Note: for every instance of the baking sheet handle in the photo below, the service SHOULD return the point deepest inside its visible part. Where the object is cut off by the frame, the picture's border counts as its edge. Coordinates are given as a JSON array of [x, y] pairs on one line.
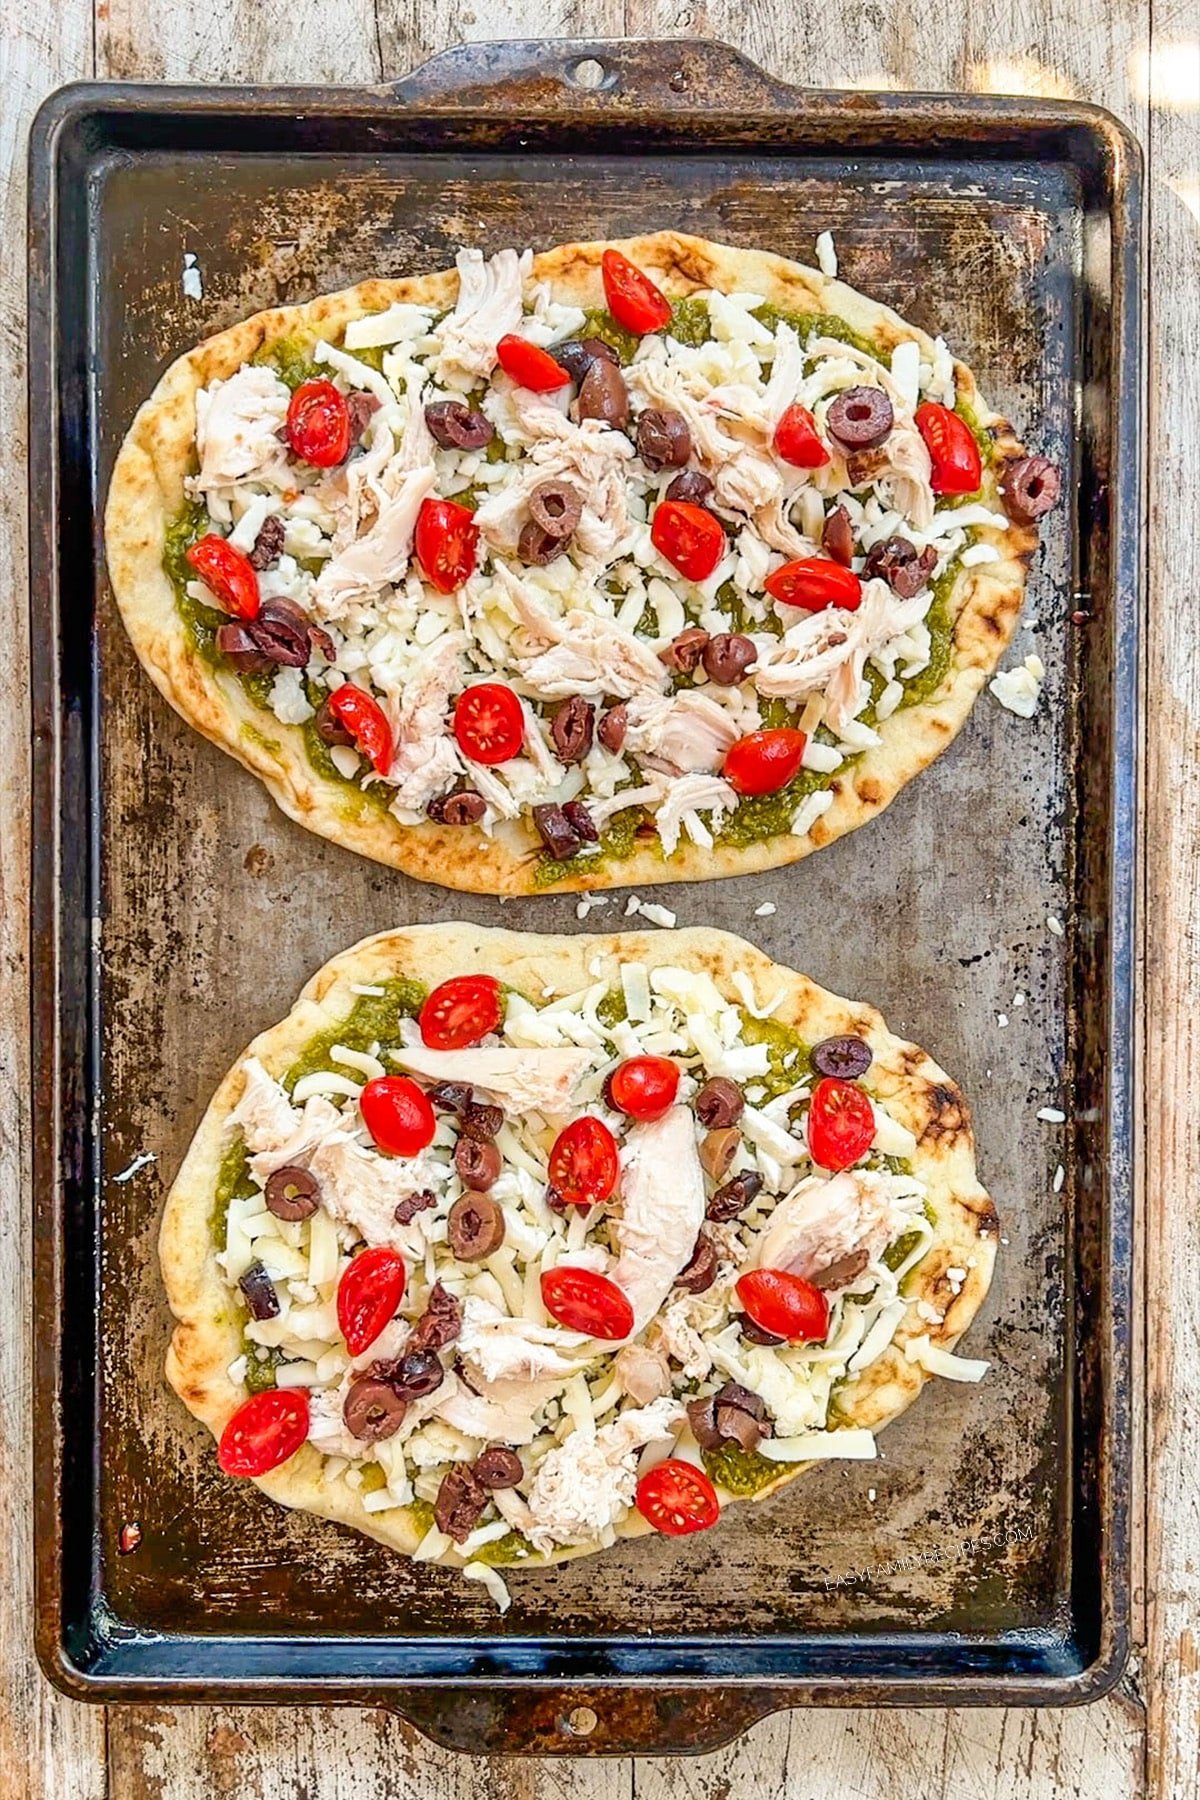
[[586, 1721]]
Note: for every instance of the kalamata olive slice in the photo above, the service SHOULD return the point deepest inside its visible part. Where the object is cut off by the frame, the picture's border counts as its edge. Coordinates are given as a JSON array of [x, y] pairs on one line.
[[556, 830], [739, 1427], [702, 1417], [577, 355], [475, 1227], [845, 1057], [1032, 485], [361, 408], [663, 438], [464, 808], [753, 1333], [727, 657], [731, 1200], [581, 821], [701, 1271], [603, 394], [460, 1501], [482, 1121], [538, 547], [407, 1208], [458, 427], [417, 1373], [329, 727], [684, 652], [451, 1096], [837, 538], [269, 543], [439, 1324], [262, 1302], [860, 417], [845, 1270], [905, 568], [555, 506], [238, 643], [571, 727], [691, 486], [372, 1409], [718, 1149], [719, 1102], [613, 727], [281, 632], [292, 1193], [498, 1468], [478, 1164]]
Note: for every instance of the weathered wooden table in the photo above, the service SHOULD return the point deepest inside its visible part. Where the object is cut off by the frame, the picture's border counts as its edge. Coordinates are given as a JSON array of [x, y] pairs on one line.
[[1143, 63]]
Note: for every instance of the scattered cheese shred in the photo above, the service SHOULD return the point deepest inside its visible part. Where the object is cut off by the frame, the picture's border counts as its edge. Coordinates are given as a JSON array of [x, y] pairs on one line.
[[492, 1580], [827, 260], [936, 1361], [822, 1446], [1020, 689], [1052, 1115]]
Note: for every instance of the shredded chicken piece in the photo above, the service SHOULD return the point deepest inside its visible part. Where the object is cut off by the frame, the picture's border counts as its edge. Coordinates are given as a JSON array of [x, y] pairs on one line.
[[361, 1189], [379, 558], [525, 1080], [822, 1221], [827, 651], [686, 798], [587, 1484], [685, 732], [590, 457], [593, 656], [236, 423], [264, 1114], [662, 1189], [746, 477], [502, 1348], [488, 308], [425, 758], [642, 1373], [505, 1414], [902, 463]]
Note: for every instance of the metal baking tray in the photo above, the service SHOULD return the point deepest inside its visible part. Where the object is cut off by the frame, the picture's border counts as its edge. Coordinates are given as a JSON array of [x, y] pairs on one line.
[[983, 1558]]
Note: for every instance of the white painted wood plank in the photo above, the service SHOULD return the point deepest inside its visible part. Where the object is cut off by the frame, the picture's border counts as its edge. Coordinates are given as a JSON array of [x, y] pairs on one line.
[[47, 1745]]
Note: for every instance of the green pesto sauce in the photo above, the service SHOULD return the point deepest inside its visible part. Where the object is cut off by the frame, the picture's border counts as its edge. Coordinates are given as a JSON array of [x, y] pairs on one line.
[[374, 1019], [813, 325], [373, 1478], [260, 1374], [291, 359], [739, 1473], [600, 324], [421, 1514], [372, 355], [690, 322], [617, 842], [770, 815], [941, 642], [612, 1010], [512, 1548], [233, 1182], [780, 1040]]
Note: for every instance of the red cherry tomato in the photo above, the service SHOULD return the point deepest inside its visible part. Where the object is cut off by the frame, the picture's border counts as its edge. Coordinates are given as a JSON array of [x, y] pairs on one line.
[[796, 439], [633, 300], [446, 540], [368, 1296], [529, 365], [765, 761], [957, 465], [227, 574], [583, 1162], [489, 723], [397, 1114], [690, 537], [815, 582], [584, 1301], [461, 1012], [366, 722], [644, 1087], [318, 424], [677, 1498], [264, 1431], [841, 1125], [785, 1305]]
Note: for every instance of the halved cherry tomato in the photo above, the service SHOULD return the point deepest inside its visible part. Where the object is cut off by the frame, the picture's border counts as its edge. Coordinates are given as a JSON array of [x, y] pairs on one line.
[[461, 1012], [583, 1162], [957, 464], [318, 424], [644, 1087], [677, 1498], [796, 439], [489, 723], [366, 722], [765, 761], [369, 1295], [633, 300], [815, 582], [227, 573], [584, 1301], [446, 540], [841, 1124], [264, 1431], [398, 1115], [785, 1305], [529, 365], [690, 537]]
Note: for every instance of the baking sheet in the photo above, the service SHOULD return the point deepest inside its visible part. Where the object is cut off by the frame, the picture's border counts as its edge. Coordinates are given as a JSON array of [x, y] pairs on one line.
[[977, 1557]]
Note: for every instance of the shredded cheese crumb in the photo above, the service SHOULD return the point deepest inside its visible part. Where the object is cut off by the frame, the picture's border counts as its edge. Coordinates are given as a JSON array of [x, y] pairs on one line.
[[1019, 689], [1052, 1116], [852, 1445], [936, 1361], [492, 1580], [1055, 925], [827, 260], [1060, 1175], [191, 281], [588, 902], [765, 910]]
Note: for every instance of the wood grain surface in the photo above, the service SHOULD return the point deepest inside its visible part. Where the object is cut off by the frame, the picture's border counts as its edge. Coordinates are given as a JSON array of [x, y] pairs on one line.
[[1144, 1738]]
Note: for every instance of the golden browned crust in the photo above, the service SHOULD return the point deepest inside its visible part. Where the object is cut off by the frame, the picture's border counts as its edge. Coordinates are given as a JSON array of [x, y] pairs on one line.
[[147, 490], [208, 1335]]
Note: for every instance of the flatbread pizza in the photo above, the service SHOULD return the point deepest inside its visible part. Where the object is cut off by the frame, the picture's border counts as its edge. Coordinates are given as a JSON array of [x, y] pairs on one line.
[[620, 563], [502, 1248]]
